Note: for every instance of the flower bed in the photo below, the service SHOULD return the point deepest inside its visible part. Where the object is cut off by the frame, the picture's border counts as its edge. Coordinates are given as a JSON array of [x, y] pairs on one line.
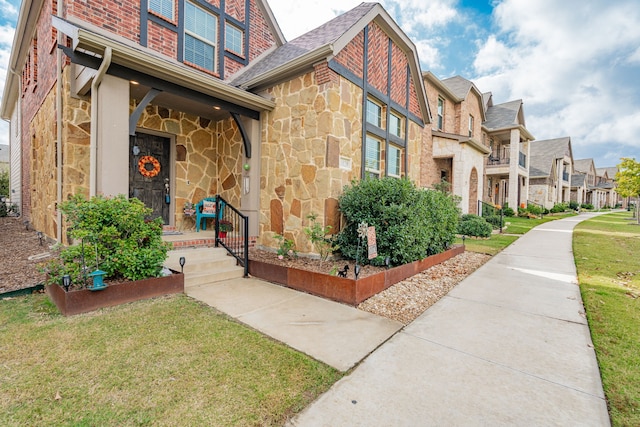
[[84, 300], [345, 290]]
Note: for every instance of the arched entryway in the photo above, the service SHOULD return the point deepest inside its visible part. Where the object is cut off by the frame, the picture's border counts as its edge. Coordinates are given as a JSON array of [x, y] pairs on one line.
[[473, 192]]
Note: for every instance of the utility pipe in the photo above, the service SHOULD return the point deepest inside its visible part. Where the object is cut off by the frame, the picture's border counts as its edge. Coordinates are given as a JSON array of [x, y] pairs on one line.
[[93, 142]]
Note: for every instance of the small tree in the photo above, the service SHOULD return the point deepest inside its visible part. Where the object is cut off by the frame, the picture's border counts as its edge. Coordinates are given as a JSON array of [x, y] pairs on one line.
[[628, 180], [317, 234]]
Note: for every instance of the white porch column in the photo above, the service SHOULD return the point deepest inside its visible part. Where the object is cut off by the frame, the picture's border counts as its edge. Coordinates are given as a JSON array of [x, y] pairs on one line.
[[514, 179], [250, 200], [113, 137]]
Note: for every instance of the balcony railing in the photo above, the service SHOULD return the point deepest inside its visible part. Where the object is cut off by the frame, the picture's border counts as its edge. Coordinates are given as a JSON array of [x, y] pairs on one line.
[[497, 161]]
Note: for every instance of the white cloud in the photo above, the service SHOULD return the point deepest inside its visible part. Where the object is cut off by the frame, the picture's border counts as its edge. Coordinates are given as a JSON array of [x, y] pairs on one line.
[[8, 10], [562, 59]]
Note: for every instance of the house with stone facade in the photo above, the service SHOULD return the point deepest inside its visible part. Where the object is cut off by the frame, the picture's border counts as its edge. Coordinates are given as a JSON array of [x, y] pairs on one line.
[[507, 167], [550, 171], [455, 147], [217, 102]]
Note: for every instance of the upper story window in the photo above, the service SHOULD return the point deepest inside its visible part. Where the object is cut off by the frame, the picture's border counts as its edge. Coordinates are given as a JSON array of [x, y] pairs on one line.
[[374, 113], [440, 113], [200, 38], [372, 157], [395, 125], [164, 8], [393, 167], [233, 39], [470, 125]]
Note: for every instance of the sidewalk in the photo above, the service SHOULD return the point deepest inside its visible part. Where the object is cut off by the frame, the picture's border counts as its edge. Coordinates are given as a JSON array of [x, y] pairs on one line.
[[510, 345]]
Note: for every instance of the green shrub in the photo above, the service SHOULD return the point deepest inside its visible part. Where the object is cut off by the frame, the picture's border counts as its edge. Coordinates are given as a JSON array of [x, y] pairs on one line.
[[535, 209], [410, 223], [559, 208], [474, 225], [508, 212], [587, 206], [286, 247], [317, 234], [113, 235], [573, 205], [494, 220]]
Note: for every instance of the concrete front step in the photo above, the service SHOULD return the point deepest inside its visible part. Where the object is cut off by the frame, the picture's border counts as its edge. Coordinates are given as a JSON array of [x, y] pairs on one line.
[[204, 265]]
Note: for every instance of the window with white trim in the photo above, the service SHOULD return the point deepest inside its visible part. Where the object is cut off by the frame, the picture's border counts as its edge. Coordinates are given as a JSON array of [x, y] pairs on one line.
[[440, 113], [164, 8], [470, 125], [374, 113], [200, 38], [395, 125], [233, 39], [372, 157], [394, 157]]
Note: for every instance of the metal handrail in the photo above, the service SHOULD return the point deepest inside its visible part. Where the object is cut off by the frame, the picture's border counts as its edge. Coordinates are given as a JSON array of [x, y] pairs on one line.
[[529, 202], [487, 209], [235, 240]]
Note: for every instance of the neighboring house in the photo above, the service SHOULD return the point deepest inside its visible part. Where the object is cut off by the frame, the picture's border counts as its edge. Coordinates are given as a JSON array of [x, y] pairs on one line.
[[593, 194], [507, 168], [605, 181], [4, 159], [213, 92], [550, 171], [454, 149]]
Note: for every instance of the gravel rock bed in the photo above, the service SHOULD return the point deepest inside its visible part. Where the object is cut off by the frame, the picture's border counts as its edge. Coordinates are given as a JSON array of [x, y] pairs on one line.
[[408, 299]]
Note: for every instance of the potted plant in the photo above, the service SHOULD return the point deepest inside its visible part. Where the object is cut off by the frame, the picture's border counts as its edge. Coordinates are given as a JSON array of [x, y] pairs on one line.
[[224, 226]]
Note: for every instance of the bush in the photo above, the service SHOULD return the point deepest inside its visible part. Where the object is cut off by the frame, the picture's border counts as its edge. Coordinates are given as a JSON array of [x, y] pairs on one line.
[[410, 223], [573, 205], [559, 208], [494, 220], [508, 212], [474, 225], [587, 206], [535, 210], [317, 235], [114, 235]]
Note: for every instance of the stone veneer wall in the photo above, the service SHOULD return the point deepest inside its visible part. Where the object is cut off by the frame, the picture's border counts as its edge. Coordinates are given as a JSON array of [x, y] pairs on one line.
[[208, 160], [303, 138], [208, 155], [42, 131]]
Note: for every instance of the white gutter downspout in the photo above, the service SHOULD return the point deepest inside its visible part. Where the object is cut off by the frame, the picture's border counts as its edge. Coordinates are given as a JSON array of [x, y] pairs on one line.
[[93, 144], [59, 149]]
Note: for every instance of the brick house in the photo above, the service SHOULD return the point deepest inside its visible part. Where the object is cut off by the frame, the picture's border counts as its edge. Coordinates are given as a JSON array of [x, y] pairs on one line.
[[455, 147], [550, 171], [214, 94]]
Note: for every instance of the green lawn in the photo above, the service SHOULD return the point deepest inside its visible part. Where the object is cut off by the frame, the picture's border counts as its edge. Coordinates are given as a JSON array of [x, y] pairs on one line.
[[606, 251], [166, 361], [514, 227]]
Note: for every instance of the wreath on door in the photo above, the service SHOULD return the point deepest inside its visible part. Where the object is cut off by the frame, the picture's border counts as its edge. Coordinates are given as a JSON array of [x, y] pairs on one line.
[[142, 166]]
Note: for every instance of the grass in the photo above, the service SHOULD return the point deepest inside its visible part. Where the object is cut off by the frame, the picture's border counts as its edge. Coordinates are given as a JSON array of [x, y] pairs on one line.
[[606, 251], [166, 361], [515, 226]]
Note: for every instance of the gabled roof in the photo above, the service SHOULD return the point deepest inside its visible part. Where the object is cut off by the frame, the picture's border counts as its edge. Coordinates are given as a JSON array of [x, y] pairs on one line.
[[458, 88], [543, 154], [326, 41], [504, 115], [578, 179], [583, 165], [611, 171]]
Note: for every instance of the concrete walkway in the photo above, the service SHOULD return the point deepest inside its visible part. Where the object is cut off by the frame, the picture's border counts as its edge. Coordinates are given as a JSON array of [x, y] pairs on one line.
[[510, 345], [336, 334]]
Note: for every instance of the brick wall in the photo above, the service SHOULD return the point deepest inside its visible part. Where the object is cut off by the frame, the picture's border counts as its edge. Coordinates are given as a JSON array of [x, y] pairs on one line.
[[377, 58], [119, 17]]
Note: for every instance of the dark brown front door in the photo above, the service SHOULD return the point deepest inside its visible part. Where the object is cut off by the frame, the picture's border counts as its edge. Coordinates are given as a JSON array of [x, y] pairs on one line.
[[149, 173]]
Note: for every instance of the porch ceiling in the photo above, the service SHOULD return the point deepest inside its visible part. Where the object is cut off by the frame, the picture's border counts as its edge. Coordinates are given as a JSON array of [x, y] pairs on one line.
[[179, 103]]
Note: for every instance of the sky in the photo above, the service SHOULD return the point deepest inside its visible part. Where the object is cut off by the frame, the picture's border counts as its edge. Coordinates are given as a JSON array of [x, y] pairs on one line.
[[574, 63]]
